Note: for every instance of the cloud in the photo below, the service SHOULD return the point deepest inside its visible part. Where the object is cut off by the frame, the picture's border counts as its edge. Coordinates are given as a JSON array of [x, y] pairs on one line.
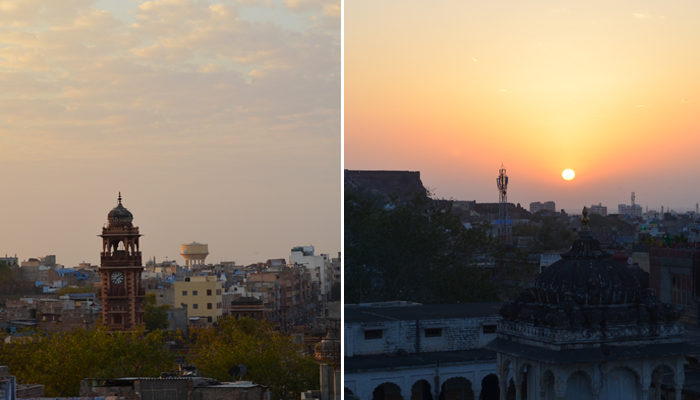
[[647, 15], [178, 68]]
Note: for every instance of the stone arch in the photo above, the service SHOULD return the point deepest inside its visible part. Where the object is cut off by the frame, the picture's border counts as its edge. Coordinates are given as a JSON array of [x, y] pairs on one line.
[[421, 390], [490, 388], [621, 383], [579, 386], [663, 374], [548, 385], [457, 388], [510, 392], [349, 395], [387, 391]]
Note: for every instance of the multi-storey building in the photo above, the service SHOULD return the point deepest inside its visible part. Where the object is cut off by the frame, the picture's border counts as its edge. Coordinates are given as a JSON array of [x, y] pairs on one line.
[[546, 206], [599, 209], [414, 351], [318, 266], [201, 296]]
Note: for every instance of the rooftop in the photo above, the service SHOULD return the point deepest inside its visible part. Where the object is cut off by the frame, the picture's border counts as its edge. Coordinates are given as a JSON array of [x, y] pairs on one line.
[[412, 311]]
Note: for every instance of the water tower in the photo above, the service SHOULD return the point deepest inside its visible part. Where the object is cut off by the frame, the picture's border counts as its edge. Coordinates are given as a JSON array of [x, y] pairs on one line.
[[194, 253]]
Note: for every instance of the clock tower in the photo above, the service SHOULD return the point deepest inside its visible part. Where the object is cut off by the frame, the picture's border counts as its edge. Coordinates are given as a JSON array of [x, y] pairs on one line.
[[120, 271]]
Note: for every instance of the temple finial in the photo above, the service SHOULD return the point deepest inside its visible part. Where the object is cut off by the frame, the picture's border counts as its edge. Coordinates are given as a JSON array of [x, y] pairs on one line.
[[584, 219], [120, 198]]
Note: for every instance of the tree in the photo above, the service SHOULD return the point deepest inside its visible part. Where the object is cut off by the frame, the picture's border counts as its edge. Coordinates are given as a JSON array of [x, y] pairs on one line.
[[60, 360], [417, 250], [270, 358], [154, 316]]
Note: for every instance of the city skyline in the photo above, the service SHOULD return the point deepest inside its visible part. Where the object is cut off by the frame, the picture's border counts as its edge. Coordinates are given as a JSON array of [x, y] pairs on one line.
[[456, 89], [219, 122]]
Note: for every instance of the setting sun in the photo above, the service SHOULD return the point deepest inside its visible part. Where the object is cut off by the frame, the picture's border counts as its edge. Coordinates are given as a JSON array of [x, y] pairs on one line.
[[568, 174]]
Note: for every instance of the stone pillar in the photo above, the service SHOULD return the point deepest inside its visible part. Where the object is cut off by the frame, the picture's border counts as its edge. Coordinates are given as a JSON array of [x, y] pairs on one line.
[[476, 388], [406, 391], [679, 377]]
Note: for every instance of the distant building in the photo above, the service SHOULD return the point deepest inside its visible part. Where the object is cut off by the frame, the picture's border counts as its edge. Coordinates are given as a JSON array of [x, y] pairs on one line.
[[674, 274], [634, 210], [201, 296], [548, 206], [319, 267], [599, 209], [10, 261], [246, 307]]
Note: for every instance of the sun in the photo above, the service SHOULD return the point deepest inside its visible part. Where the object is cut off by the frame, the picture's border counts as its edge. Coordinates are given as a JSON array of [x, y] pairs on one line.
[[568, 174]]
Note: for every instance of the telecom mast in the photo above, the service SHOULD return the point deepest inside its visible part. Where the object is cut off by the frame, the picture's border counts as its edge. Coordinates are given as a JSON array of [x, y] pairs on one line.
[[504, 222]]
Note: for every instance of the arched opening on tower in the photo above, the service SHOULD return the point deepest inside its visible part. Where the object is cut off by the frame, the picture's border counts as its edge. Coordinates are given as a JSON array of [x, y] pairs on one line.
[[663, 382], [548, 385], [421, 391], [489, 388], [578, 387], [620, 384], [387, 391], [456, 389]]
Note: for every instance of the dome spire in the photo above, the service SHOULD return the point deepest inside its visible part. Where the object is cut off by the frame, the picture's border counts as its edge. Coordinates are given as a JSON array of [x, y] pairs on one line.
[[585, 220], [120, 198]]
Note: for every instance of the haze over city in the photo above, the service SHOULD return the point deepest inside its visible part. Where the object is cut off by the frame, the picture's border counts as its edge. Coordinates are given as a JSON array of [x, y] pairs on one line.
[[455, 89], [217, 121]]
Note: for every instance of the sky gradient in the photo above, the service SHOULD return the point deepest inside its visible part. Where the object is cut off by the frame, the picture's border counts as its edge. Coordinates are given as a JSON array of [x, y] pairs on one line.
[[219, 121], [455, 88]]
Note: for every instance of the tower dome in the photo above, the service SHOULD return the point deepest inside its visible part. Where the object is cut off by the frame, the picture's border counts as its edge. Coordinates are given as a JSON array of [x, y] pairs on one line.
[[119, 215], [588, 276]]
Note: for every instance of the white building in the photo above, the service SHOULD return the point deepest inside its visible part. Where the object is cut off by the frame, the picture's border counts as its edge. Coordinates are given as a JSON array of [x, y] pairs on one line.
[[401, 350], [319, 267]]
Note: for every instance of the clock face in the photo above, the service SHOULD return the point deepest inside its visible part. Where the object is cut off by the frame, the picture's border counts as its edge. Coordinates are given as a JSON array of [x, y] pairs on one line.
[[117, 277]]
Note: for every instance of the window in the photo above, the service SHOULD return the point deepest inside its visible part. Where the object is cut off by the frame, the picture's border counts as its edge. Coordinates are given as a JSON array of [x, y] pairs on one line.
[[194, 293], [195, 306], [218, 292], [489, 329], [218, 305], [208, 292], [208, 319], [209, 307], [184, 292], [433, 332], [373, 334]]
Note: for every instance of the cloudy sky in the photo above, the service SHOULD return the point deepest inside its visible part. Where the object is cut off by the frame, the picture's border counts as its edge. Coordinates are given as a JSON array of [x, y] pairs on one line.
[[455, 88], [219, 121]]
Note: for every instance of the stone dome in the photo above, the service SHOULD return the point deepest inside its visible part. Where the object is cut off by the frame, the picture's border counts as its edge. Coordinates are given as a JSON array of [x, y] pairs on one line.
[[119, 215], [589, 276]]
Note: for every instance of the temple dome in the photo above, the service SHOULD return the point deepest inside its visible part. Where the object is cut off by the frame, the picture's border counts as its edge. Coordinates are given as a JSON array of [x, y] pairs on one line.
[[119, 215], [588, 276]]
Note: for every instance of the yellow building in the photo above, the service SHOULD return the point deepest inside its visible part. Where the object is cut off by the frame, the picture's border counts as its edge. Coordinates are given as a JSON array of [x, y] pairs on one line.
[[201, 296]]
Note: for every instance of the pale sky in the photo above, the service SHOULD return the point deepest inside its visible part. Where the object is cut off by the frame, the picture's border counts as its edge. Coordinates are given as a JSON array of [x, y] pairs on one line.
[[454, 88], [219, 122]]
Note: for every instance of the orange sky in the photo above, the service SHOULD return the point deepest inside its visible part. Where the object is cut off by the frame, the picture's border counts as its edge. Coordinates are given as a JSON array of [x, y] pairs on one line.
[[454, 88]]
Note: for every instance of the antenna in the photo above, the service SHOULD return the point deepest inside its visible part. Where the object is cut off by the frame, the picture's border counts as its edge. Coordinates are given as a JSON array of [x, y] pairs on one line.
[[504, 223]]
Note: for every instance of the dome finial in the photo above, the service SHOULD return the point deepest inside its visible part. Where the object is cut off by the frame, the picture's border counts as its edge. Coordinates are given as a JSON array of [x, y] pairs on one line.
[[584, 219], [120, 198]]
